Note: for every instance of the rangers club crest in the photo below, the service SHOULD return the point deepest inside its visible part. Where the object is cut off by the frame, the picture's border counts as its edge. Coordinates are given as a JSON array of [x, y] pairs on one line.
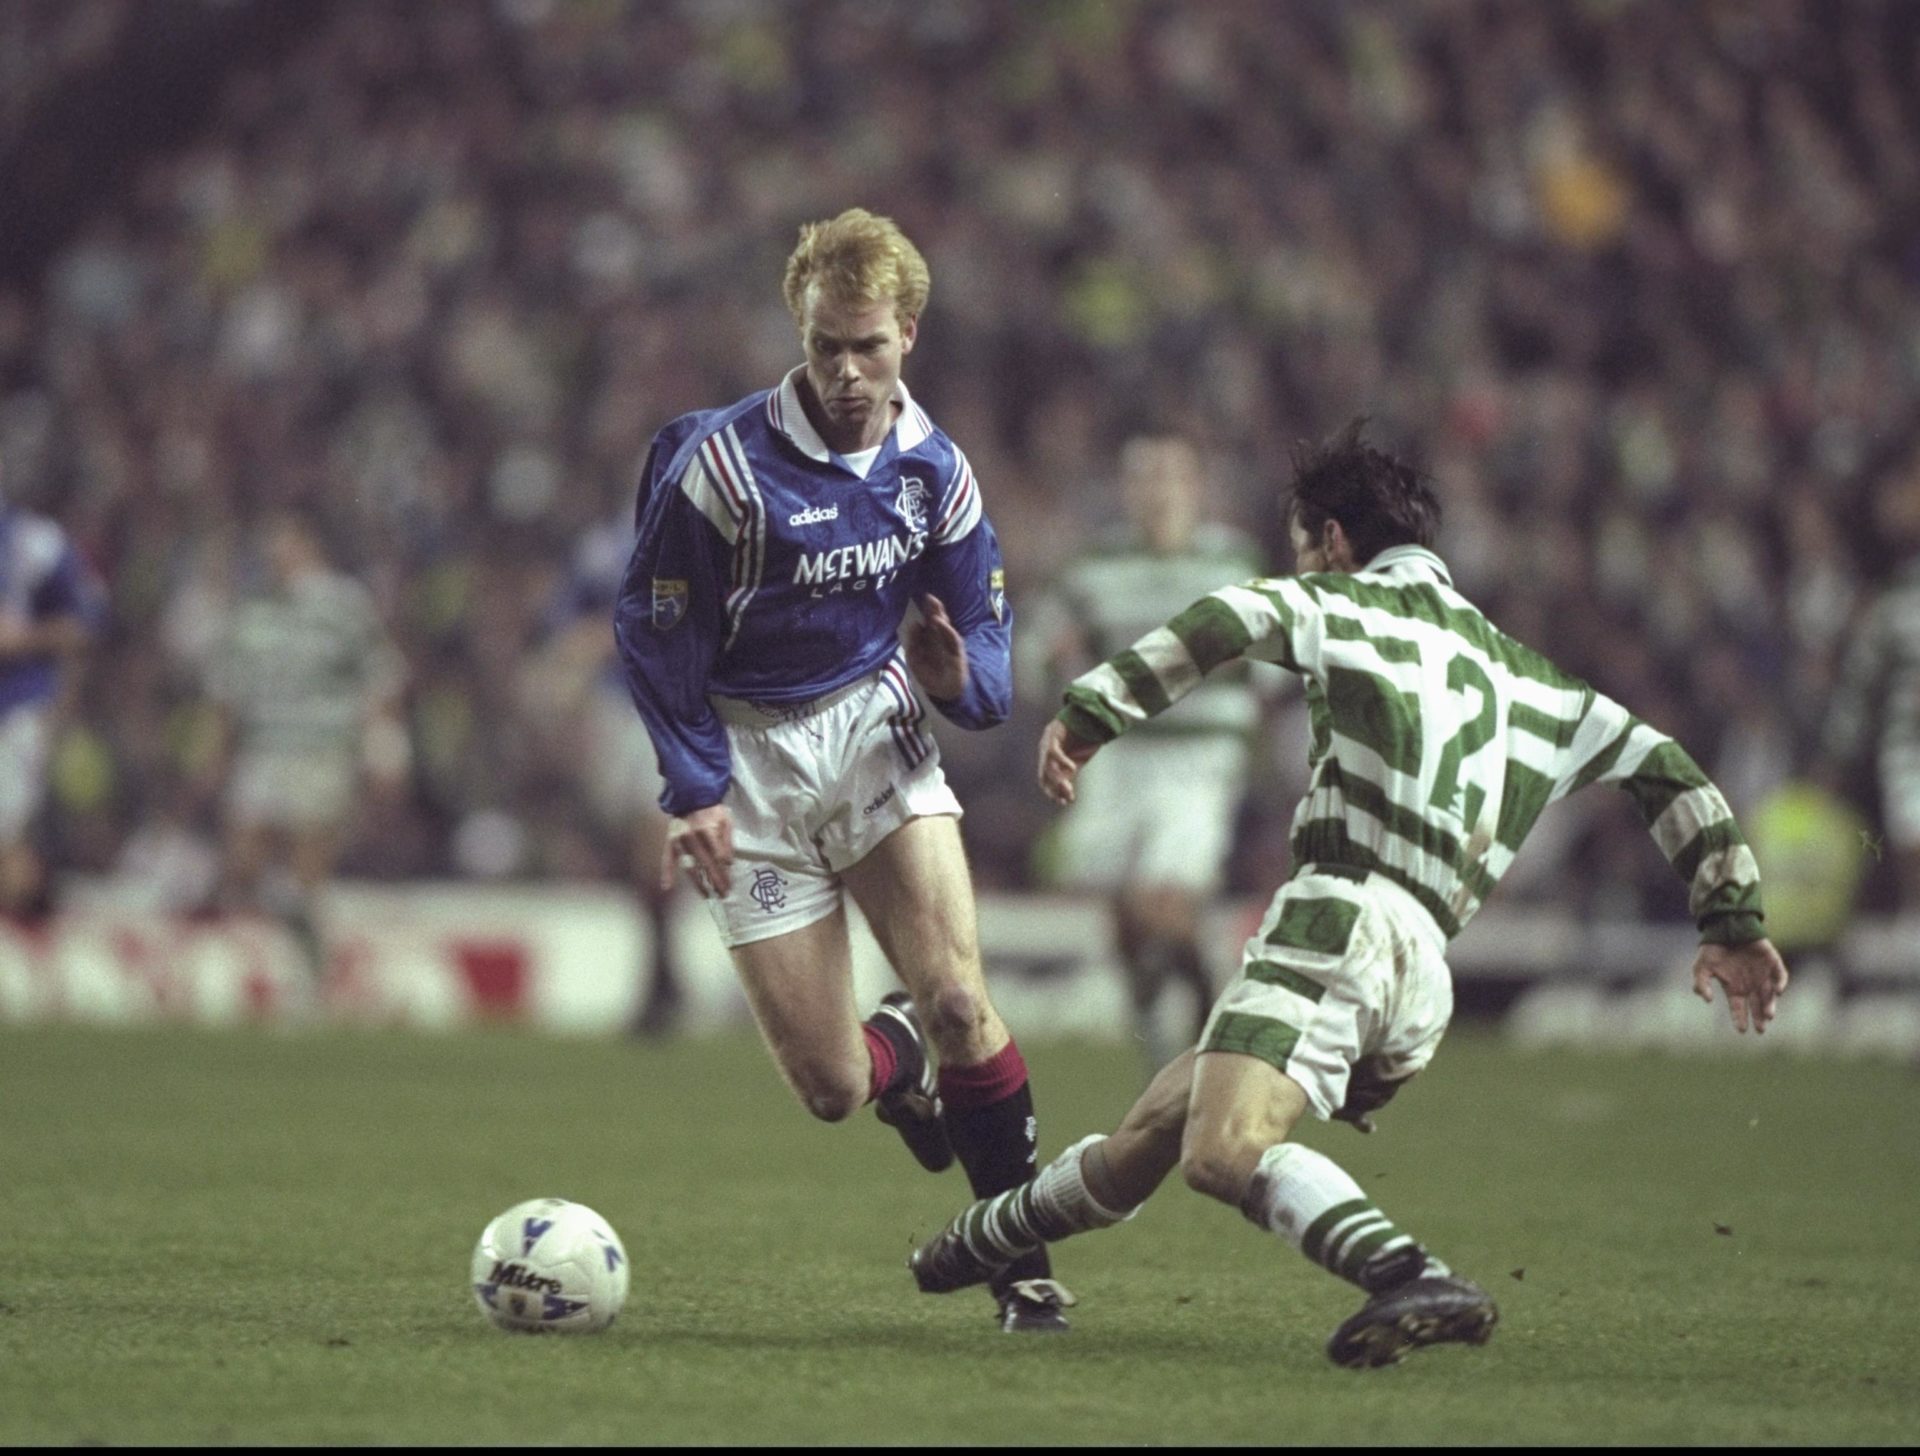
[[912, 503], [769, 890], [669, 603]]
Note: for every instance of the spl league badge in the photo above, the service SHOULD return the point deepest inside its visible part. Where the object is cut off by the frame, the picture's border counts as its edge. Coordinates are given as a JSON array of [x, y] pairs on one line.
[[997, 593], [669, 603]]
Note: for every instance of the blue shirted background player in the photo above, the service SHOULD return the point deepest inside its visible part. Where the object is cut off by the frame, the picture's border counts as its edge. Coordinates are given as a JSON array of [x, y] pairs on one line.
[[49, 610], [782, 541]]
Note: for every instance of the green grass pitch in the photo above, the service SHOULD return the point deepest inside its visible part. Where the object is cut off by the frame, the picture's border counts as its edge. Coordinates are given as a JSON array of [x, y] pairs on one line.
[[241, 1237]]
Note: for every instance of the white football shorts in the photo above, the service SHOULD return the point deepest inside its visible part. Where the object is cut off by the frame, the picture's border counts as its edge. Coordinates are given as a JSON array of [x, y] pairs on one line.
[[1345, 965], [815, 787], [294, 789], [24, 744], [1155, 810]]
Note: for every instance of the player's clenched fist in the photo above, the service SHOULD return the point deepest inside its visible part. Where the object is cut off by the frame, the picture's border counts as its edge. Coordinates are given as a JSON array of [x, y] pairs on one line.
[[701, 845]]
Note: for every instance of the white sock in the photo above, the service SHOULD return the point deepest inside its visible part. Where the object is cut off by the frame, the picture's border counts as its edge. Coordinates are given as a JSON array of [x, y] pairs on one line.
[[1313, 1203], [1053, 1205]]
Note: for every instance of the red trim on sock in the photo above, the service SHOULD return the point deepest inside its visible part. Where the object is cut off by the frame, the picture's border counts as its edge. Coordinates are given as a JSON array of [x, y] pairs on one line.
[[884, 1061], [994, 1080]]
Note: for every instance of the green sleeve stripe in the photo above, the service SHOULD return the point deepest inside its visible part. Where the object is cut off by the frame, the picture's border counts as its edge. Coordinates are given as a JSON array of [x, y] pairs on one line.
[[1280, 643], [1723, 835], [1667, 772], [1141, 681], [1212, 633], [1602, 762], [1272, 973], [1090, 718], [1732, 927]]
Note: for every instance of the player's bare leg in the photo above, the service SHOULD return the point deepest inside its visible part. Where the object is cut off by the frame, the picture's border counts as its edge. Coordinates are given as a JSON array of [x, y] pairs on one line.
[[1096, 1183], [1157, 928], [660, 1006], [917, 895], [800, 987], [1236, 1150], [312, 853], [22, 880]]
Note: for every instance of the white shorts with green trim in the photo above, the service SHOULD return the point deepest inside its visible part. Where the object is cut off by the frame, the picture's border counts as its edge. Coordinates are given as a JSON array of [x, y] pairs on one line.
[[1345, 965], [293, 788], [815, 787], [1155, 810]]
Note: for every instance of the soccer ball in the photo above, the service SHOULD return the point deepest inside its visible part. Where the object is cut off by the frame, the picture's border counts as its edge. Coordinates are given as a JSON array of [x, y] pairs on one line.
[[548, 1265]]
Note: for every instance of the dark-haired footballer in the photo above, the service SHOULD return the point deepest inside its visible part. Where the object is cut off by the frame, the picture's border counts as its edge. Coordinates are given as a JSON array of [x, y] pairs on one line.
[[1437, 741]]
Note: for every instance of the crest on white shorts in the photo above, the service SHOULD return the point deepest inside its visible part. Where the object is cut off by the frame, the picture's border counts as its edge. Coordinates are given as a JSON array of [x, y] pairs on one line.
[[912, 502], [769, 889], [669, 603]]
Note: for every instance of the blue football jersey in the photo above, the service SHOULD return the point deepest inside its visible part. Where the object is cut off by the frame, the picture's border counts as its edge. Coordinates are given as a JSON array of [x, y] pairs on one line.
[[41, 577], [768, 568]]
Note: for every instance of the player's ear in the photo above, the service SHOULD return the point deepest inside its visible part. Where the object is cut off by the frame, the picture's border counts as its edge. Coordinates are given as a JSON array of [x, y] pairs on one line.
[[1335, 546], [909, 331]]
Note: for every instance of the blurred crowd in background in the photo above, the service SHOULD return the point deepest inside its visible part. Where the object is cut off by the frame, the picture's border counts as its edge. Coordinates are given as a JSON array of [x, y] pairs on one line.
[[1638, 282]]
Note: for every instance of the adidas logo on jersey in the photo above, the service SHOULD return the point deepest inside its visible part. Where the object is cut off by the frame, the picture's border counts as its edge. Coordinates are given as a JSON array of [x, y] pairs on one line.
[[814, 515]]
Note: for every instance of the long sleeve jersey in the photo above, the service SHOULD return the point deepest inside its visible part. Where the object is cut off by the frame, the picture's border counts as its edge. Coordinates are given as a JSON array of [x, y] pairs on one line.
[[41, 579], [768, 568], [1437, 740]]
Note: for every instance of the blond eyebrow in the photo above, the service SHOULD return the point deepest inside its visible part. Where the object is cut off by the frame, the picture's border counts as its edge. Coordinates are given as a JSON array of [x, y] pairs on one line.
[[827, 340]]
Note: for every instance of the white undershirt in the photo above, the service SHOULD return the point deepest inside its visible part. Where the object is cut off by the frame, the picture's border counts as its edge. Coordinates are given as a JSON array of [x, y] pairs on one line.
[[861, 461]]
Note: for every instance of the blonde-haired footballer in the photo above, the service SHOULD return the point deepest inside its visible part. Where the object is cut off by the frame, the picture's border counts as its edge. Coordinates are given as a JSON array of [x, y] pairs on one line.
[[782, 541], [1437, 742]]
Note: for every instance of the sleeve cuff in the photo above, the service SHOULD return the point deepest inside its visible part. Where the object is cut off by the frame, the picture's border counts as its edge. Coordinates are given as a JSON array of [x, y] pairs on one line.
[[1732, 927], [1084, 725]]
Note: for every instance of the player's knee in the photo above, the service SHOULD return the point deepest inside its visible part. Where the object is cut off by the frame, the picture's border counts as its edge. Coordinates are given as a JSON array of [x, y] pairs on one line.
[[830, 1095], [957, 1015], [1212, 1168]]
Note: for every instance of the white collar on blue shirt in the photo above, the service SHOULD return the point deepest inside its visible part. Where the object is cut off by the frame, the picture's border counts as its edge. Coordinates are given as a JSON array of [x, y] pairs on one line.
[[789, 417]]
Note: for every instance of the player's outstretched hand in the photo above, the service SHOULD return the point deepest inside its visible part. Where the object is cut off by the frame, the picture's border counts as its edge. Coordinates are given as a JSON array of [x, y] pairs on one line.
[[701, 844], [936, 651], [1061, 758], [1753, 974]]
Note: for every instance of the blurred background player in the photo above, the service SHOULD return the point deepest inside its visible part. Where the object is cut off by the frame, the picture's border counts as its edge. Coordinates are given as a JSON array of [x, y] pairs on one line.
[[783, 540], [1154, 832], [49, 612], [580, 665], [1875, 708], [305, 676]]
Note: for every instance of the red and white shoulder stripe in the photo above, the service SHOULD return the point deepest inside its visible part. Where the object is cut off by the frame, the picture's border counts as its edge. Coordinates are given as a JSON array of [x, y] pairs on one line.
[[959, 504]]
